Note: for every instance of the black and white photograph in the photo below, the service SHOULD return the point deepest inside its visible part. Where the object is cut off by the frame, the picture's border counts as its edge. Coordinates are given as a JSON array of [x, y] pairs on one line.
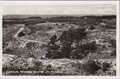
[[43, 38]]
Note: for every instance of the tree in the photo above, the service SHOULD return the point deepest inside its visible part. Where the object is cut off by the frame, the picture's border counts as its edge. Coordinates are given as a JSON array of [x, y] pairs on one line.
[[66, 40], [79, 35], [52, 48], [53, 39], [65, 49]]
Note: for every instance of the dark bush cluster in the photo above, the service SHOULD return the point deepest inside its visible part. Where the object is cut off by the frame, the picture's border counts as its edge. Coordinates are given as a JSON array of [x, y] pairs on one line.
[[91, 67], [113, 43], [113, 53], [105, 66], [53, 48], [71, 45]]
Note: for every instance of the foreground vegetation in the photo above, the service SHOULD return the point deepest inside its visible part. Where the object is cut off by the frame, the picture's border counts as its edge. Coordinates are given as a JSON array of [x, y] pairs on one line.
[[31, 66]]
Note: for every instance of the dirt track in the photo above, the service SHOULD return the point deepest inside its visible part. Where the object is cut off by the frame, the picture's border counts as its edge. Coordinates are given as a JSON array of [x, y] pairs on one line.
[[25, 41]]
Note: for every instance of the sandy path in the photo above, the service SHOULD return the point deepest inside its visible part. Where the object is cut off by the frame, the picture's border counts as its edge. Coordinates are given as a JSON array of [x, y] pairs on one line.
[[25, 41]]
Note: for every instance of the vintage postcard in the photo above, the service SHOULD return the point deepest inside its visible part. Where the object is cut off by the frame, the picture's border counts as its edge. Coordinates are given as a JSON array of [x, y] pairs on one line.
[[59, 39]]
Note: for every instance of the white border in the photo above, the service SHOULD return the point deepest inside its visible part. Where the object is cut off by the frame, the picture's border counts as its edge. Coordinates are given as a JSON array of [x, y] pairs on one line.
[[67, 77], [61, 2]]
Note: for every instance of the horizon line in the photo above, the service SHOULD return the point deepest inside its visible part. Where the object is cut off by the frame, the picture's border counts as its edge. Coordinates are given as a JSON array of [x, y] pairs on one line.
[[59, 14]]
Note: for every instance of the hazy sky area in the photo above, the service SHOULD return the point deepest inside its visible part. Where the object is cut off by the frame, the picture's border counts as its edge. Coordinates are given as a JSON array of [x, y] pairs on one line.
[[57, 8]]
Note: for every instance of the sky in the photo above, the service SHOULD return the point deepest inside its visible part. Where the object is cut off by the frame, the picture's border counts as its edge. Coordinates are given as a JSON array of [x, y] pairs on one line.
[[58, 8]]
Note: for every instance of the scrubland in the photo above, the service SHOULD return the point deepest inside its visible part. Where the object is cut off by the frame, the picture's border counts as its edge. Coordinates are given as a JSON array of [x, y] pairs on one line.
[[63, 45]]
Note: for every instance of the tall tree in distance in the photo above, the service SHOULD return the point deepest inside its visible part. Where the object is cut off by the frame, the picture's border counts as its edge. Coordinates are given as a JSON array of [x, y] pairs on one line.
[[52, 51], [79, 35], [66, 40]]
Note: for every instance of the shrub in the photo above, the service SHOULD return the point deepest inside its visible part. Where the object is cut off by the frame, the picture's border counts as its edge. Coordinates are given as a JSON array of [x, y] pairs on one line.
[[92, 46], [30, 49], [18, 64], [38, 65], [105, 66], [49, 68], [5, 67], [113, 53], [63, 24], [7, 51], [31, 64], [90, 67], [113, 43], [84, 50], [56, 23], [92, 28], [78, 54], [50, 28], [21, 34]]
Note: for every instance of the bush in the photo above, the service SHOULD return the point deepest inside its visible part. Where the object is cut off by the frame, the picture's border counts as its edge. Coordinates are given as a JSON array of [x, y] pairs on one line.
[[50, 28], [5, 67], [18, 64], [49, 68], [84, 50], [8, 51], [30, 50], [92, 28], [38, 65], [113, 53], [90, 67], [21, 34], [78, 54], [113, 43], [91, 47], [105, 66]]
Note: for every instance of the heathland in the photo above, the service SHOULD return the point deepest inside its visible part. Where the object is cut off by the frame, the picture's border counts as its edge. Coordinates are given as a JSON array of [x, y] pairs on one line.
[[59, 45]]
